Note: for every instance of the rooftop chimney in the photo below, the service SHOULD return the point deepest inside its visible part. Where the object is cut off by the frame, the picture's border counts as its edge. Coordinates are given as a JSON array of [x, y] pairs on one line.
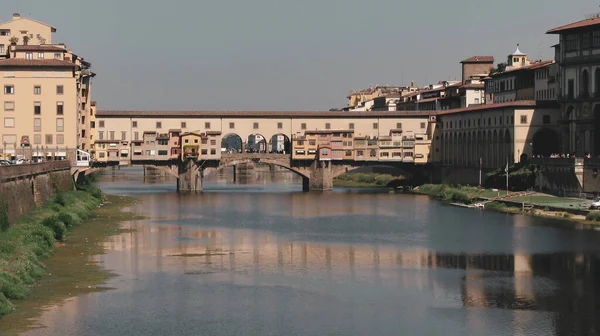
[[16, 16]]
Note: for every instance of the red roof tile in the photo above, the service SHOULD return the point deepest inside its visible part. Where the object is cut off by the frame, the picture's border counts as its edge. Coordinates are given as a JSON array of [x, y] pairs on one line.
[[473, 86], [262, 114], [531, 66], [17, 62], [38, 48], [479, 59], [516, 103], [575, 25]]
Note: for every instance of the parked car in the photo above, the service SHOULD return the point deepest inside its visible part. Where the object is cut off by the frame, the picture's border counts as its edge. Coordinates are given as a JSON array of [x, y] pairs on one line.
[[4, 163], [595, 203]]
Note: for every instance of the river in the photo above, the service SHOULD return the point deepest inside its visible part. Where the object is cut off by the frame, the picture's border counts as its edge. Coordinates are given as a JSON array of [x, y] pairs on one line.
[[259, 257]]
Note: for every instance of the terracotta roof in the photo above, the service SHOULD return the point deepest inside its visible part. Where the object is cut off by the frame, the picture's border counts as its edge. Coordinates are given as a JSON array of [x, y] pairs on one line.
[[38, 48], [393, 95], [12, 62], [189, 133], [531, 66], [93, 103], [575, 25], [517, 103], [262, 114], [213, 132], [428, 100], [479, 59]]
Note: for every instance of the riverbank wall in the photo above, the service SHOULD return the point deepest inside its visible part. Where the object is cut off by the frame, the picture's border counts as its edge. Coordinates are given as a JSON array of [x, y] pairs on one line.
[[25, 187]]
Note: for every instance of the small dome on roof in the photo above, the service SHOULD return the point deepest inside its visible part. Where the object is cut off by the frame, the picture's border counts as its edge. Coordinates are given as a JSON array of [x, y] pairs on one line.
[[518, 52]]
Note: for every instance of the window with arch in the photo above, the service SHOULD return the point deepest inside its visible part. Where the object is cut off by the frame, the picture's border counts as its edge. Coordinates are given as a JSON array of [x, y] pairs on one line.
[[585, 84]]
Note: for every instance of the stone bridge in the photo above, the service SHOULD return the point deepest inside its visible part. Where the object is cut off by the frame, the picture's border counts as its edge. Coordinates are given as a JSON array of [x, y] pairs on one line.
[[316, 174]]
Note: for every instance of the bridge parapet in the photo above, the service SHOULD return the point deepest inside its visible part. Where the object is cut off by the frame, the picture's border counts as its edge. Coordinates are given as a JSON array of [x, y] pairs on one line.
[[24, 170]]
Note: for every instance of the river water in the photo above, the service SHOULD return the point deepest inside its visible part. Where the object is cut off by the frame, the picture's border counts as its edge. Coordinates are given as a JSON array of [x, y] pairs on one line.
[[259, 257]]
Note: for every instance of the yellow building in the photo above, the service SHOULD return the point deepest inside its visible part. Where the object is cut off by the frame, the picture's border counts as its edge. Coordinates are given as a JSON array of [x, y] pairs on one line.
[[45, 92]]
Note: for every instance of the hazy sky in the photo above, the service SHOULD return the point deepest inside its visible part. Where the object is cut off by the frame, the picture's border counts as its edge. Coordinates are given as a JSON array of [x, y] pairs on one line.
[[285, 55]]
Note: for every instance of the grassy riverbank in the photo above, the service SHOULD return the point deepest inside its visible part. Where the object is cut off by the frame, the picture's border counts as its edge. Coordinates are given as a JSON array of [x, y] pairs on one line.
[[32, 238], [539, 205], [365, 180]]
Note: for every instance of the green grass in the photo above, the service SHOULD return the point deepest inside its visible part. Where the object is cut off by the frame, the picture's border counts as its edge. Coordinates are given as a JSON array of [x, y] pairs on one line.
[[32, 237], [365, 180]]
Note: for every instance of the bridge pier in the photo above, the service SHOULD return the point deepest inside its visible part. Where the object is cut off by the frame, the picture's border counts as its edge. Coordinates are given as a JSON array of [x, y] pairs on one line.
[[321, 176], [190, 177]]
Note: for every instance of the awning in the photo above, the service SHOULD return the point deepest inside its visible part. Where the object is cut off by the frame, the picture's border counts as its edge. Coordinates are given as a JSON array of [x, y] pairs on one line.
[[137, 151], [9, 151], [38, 154], [60, 154], [49, 154], [124, 151]]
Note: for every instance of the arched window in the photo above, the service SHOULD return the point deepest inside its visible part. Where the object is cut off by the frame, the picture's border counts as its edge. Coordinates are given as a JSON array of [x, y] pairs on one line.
[[585, 84], [597, 82]]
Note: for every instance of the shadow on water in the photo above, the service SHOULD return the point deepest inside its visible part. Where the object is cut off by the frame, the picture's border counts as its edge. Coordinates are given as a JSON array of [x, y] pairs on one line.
[[259, 257]]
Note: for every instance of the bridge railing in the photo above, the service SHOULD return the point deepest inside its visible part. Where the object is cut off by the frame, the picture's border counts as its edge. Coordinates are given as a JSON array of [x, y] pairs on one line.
[[256, 156], [17, 171]]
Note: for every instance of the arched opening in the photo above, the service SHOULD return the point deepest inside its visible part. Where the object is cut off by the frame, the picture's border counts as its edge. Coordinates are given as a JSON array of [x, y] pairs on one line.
[[597, 82], [509, 146], [231, 143], [545, 142], [280, 144], [256, 143], [597, 128], [571, 128], [585, 84]]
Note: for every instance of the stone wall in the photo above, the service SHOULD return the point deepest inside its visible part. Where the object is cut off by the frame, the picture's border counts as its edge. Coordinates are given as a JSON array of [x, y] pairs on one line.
[[24, 187], [459, 175]]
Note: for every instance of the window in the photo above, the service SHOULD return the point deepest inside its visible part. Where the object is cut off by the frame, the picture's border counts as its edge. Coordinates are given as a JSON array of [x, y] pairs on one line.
[[37, 108], [279, 125], [204, 141], [351, 126], [9, 89], [384, 154], [596, 39], [37, 139], [255, 125], [136, 135], [571, 89], [41, 56], [2, 50], [398, 126], [476, 100], [37, 125], [423, 125], [183, 124], [60, 124], [231, 125], [207, 125], [57, 56], [359, 153], [213, 151], [9, 106], [100, 135], [60, 110], [375, 125], [9, 122], [303, 126], [101, 123], [158, 124], [585, 40], [327, 125], [49, 138], [29, 55], [123, 135], [60, 139], [83, 133], [523, 119], [37, 90], [204, 151], [572, 43], [546, 119], [112, 136], [60, 89]]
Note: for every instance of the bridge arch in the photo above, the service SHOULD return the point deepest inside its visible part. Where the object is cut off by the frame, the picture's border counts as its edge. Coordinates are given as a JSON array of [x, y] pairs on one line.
[[232, 142], [256, 143], [235, 162], [280, 143]]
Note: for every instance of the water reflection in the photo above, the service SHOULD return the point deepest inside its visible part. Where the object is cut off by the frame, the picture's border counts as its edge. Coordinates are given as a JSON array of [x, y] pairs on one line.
[[288, 263]]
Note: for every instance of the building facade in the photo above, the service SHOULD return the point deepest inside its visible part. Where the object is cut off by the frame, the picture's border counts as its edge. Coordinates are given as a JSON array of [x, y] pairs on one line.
[[578, 78], [45, 93]]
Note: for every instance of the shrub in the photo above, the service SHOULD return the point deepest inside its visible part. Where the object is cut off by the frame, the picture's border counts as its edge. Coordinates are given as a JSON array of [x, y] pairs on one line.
[[56, 225], [5, 305], [60, 199], [70, 219], [495, 206], [593, 216], [12, 287]]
